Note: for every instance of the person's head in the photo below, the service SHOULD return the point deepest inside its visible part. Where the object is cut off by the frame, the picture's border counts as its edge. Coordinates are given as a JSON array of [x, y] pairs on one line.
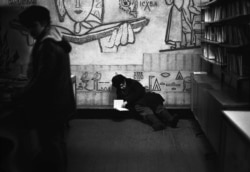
[[119, 81], [35, 19]]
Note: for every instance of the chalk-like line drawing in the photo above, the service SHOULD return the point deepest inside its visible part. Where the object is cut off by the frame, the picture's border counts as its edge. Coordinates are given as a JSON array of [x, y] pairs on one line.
[[183, 26], [87, 17]]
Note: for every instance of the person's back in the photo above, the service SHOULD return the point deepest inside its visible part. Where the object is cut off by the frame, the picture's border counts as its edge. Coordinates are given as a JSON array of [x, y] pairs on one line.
[[50, 88]]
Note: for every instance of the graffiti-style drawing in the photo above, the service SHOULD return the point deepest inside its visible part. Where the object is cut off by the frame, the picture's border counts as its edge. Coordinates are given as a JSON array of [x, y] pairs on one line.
[[87, 16], [150, 80], [183, 29], [97, 76], [156, 86], [147, 5], [85, 80], [129, 6], [159, 82], [179, 76], [165, 74], [187, 84], [138, 76], [91, 83]]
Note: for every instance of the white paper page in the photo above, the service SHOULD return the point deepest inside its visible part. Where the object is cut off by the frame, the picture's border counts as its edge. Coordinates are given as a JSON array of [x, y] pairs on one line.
[[118, 105]]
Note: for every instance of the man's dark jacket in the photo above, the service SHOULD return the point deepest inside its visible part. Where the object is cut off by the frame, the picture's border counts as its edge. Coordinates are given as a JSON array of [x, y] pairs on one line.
[[49, 95], [135, 93]]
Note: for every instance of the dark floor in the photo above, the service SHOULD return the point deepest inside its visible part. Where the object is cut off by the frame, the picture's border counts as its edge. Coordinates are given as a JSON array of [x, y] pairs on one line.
[[111, 143]]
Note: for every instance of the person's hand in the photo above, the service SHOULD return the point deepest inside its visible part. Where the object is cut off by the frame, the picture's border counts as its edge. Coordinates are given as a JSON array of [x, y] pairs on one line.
[[124, 104], [122, 36]]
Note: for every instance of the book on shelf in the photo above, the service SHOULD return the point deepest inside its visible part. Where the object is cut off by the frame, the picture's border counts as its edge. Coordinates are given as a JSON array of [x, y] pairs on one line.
[[211, 52], [244, 68], [230, 9], [205, 51], [238, 64]]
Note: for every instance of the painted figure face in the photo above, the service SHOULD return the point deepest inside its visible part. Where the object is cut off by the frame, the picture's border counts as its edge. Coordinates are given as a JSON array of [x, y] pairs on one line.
[[78, 10]]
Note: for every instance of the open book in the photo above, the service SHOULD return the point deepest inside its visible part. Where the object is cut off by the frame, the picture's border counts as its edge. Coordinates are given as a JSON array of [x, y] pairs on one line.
[[118, 105]]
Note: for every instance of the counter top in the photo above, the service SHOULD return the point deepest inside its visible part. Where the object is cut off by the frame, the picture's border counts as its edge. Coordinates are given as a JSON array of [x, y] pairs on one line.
[[241, 120], [228, 99]]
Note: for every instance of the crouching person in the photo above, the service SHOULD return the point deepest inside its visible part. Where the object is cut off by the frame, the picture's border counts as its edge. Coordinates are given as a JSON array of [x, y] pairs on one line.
[[148, 105]]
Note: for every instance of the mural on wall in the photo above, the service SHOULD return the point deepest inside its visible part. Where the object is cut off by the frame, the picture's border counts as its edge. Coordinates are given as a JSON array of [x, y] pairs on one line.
[[99, 81], [148, 5], [120, 31], [183, 28], [131, 29], [87, 16], [129, 6]]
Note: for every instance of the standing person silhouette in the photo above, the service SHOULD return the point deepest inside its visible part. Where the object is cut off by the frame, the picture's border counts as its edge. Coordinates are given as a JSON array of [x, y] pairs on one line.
[[48, 98]]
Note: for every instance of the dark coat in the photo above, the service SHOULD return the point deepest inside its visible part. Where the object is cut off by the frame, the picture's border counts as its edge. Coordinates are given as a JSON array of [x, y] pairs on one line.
[[135, 93], [49, 94]]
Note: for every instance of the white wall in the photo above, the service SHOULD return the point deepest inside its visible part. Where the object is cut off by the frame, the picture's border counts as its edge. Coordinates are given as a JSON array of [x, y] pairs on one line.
[[163, 20]]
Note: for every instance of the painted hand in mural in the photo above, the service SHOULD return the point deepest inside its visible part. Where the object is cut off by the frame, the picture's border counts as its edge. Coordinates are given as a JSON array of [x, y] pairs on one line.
[[122, 36], [87, 17], [83, 21]]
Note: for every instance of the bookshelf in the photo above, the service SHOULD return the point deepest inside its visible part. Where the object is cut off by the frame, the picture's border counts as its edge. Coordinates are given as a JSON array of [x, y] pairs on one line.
[[224, 82], [225, 43]]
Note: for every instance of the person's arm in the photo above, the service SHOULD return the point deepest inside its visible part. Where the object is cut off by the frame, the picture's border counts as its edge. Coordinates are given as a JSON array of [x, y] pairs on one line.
[[119, 94], [46, 71], [136, 91]]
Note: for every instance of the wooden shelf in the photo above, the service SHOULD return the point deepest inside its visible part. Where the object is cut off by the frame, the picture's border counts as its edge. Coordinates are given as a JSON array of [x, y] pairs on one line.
[[208, 4], [230, 20], [210, 42], [226, 45], [212, 61], [241, 19]]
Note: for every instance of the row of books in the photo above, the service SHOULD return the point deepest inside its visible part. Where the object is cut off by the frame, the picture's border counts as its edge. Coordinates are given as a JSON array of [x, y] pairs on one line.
[[230, 9], [230, 34], [235, 63], [215, 53]]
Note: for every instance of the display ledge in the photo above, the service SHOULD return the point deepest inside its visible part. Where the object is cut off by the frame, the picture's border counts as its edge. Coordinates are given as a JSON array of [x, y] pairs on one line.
[[228, 99], [240, 19], [237, 47], [110, 107], [225, 95], [212, 61], [208, 4], [213, 82], [240, 120], [114, 114]]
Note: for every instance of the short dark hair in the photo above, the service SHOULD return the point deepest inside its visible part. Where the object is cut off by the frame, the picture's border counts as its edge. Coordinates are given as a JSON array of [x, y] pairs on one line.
[[33, 14], [117, 80]]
